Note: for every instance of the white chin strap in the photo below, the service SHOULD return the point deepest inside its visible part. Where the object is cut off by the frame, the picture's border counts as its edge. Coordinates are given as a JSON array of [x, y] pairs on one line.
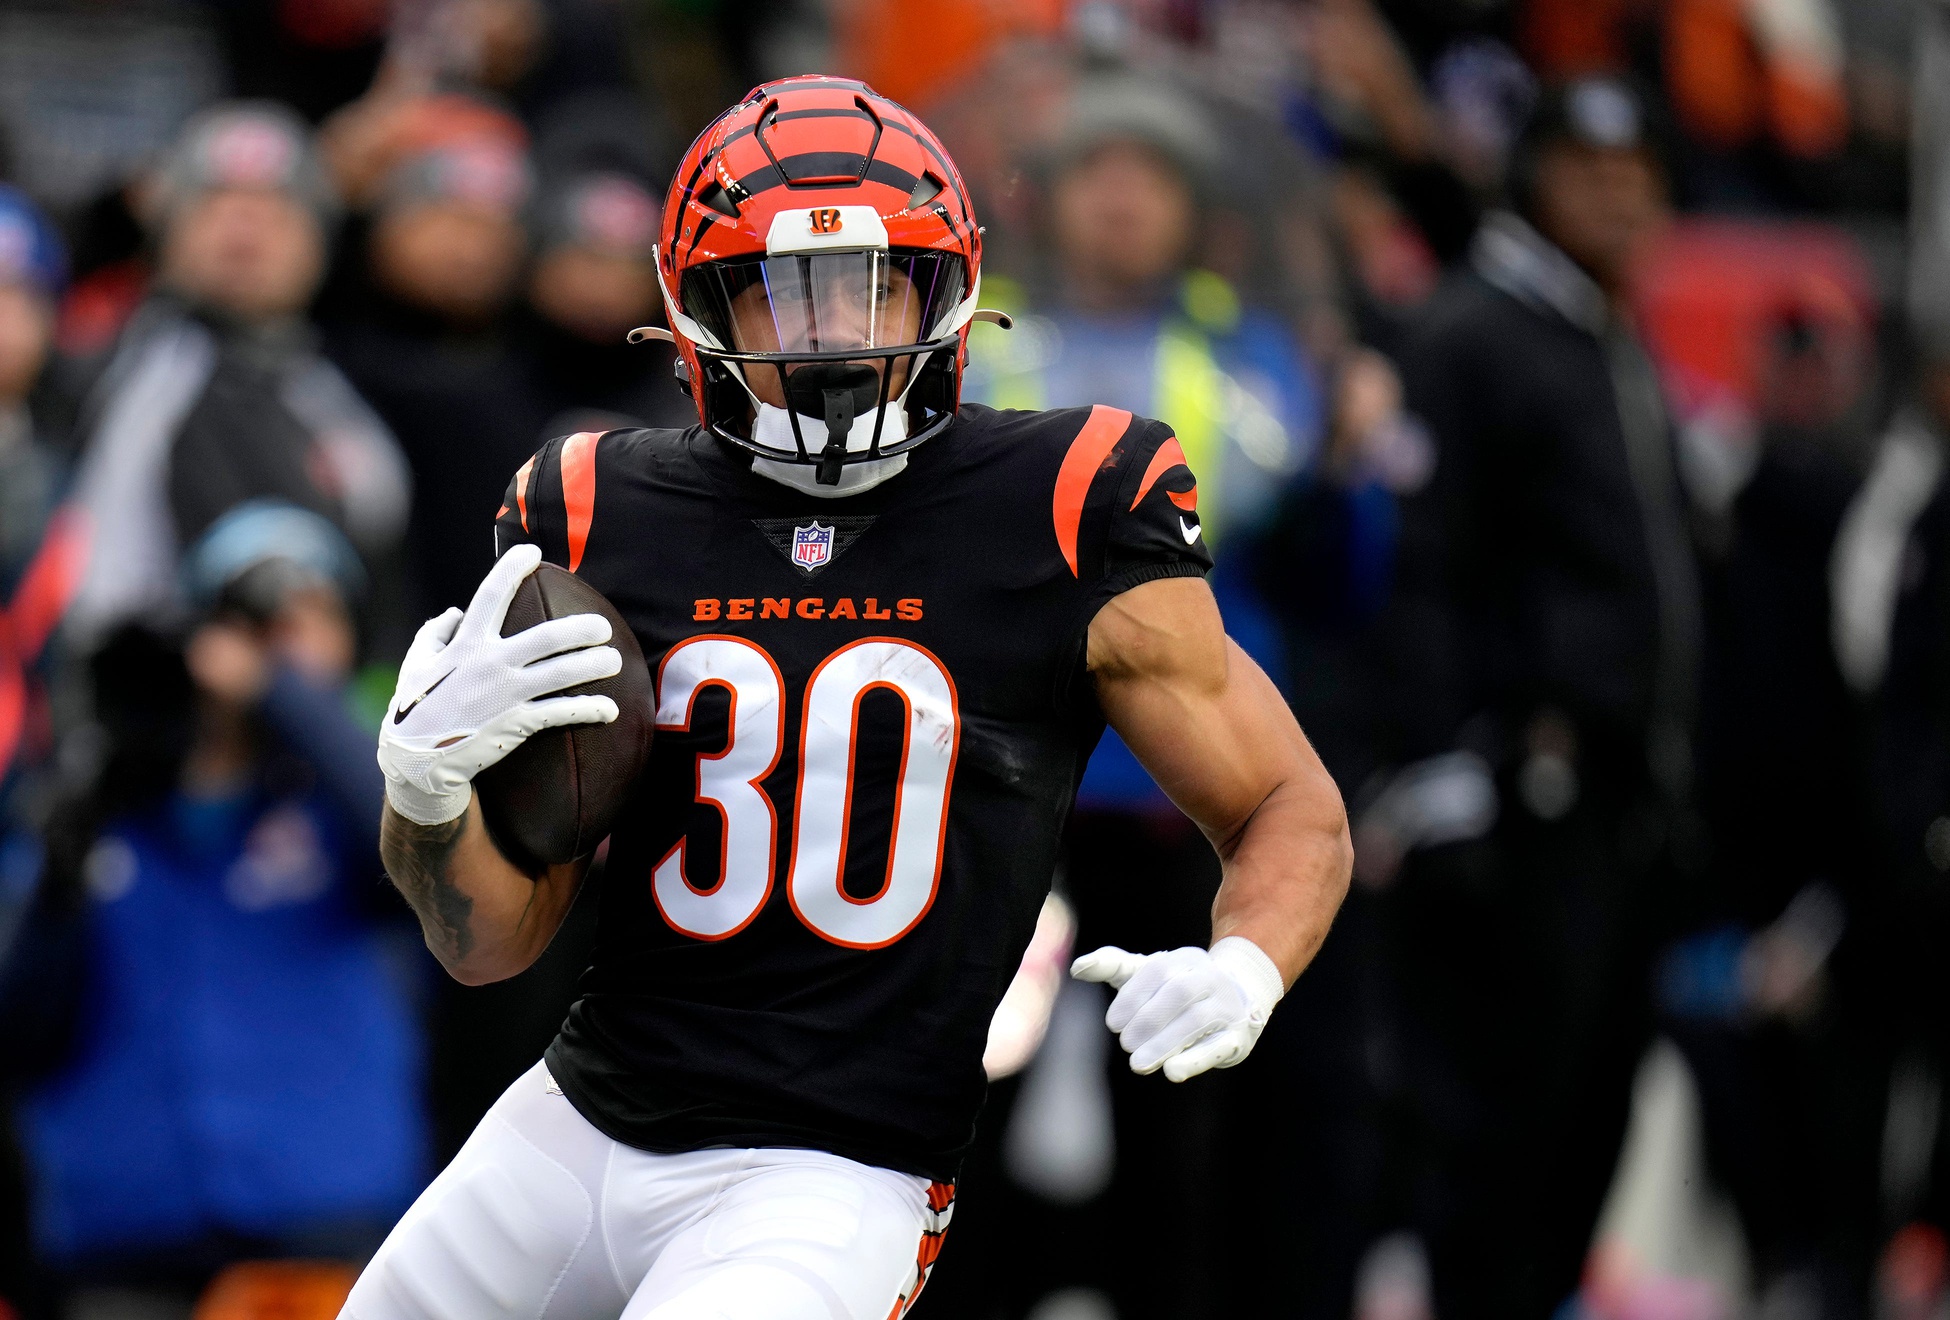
[[772, 428]]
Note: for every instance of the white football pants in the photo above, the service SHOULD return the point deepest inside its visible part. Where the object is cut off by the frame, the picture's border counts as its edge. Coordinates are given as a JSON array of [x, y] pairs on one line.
[[542, 1217]]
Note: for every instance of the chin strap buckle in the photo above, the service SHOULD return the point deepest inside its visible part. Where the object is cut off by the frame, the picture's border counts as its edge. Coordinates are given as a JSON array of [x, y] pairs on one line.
[[831, 460], [838, 400], [838, 392]]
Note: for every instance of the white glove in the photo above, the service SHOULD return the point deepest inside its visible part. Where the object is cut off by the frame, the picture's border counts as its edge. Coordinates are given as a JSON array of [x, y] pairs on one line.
[[1186, 1010], [468, 696]]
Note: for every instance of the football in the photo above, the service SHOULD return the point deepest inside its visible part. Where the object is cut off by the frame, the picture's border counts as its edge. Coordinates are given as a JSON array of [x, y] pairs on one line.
[[555, 797]]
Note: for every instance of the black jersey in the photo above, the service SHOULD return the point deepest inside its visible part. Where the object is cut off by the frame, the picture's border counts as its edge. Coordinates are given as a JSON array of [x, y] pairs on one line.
[[872, 718]]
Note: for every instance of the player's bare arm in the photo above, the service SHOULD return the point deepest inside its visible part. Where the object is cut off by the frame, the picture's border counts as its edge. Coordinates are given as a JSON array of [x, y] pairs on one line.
[[1216, 735], [1214, 732], [482, 918], [467, 697]]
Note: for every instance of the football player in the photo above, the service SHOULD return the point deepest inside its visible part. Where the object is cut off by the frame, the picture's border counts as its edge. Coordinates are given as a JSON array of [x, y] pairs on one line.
[[887, 631]]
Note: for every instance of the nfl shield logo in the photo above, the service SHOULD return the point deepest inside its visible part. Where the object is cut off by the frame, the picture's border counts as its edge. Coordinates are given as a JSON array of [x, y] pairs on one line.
[[812, 546]]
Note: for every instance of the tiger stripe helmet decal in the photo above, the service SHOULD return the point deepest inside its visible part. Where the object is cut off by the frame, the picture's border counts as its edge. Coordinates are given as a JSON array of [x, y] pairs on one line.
[[835, 166], [813, 144]]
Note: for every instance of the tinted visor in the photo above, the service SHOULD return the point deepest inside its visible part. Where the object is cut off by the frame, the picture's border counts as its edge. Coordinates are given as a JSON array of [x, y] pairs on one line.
[[825, 302]]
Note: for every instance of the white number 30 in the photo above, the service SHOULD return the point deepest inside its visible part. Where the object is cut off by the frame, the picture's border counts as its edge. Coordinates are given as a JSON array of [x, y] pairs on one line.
[[730, 781]]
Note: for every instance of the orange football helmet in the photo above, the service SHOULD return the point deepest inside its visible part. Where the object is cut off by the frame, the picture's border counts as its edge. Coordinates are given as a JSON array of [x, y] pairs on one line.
[[820, 262]]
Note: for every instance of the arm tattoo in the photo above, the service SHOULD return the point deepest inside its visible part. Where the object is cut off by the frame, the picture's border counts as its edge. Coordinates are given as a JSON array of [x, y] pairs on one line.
[[418, 858]]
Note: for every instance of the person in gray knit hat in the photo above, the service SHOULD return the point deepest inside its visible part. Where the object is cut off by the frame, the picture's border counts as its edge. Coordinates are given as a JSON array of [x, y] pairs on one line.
[[216, 393], [593, 280], [244, 144], [1123, 107], [430, 343], [242, 211], [595, 256], [448, 237]]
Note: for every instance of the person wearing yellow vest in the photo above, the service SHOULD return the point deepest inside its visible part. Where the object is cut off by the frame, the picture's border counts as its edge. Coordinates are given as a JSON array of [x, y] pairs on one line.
[[1116, 311], [1125, 318]]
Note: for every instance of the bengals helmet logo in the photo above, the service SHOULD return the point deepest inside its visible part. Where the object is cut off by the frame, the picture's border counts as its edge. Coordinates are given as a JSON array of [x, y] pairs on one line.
[[825, 220]]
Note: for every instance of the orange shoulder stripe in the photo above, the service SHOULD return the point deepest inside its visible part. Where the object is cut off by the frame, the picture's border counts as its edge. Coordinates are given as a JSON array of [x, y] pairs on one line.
[[579, 490], [1100, 433], [1170, 455], [521, 490]]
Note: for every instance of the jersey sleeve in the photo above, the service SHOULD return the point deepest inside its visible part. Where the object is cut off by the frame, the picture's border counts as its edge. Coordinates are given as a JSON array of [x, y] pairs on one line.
[[1127, 506], [551, 501], [1154, 524], [511, 524]]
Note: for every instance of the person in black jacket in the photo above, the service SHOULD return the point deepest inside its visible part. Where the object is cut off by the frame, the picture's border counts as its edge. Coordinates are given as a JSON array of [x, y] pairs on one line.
[[429, 336], [1892, 626], [1544, 639], [216, 393], [594, 280], [210, 945], [426, 337]]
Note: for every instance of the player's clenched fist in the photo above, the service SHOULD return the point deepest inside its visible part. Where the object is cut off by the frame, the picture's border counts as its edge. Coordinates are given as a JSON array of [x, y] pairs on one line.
[[1186, 1010], [468, 696]]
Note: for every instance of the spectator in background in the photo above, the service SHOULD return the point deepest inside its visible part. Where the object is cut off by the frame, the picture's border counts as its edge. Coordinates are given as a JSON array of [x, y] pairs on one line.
[[1774, 996], [40, 550], [595, 280], [1757, 90], [36, 571], [221, 1061], [1121, 317], [431, 347], [439, 349], [1545, 635], [216, 394], [33, 273], [1892, 634], [364, 143]]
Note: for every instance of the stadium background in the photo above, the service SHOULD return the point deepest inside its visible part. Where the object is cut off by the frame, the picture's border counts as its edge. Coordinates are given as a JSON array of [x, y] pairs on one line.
[[403, 249]]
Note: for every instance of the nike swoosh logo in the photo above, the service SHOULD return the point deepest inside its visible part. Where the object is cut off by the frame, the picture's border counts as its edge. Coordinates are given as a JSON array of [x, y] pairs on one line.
[[1188, 530], [407, 709]]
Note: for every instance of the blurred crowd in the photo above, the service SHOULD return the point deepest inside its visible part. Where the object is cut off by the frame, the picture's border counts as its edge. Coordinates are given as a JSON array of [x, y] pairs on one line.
[[1568, 383]]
